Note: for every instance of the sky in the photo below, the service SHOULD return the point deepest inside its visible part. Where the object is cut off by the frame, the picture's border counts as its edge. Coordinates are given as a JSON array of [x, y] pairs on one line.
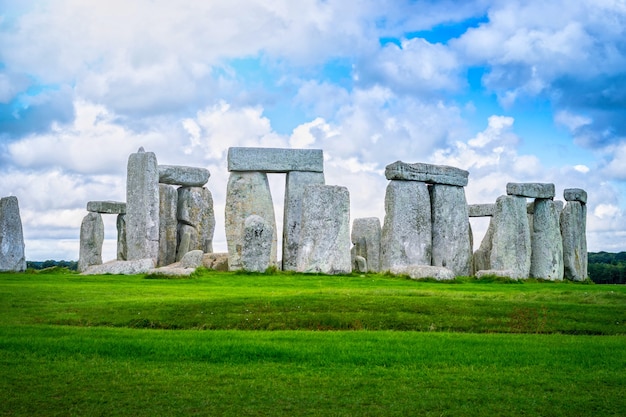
[[512, 91]]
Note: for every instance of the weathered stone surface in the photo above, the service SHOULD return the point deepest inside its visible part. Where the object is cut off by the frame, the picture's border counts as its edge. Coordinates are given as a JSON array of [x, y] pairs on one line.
[[91, 239], [173, 270], [547, 246], [482, 257], [142, 206], [247, 193], [530, 189], [511, 246], [216, 261], [407, 229], [359, 264], [122, 247], [451, 246], [575, 194], [574, 234], [325, 230], [136, 266], [294, 193], [497, 273], [366, 237], [106, 207], [182, 175], [432, 174], [481, 210], [275, 160], [11, 236], [256, 251], [195, 209], [168, 224], [192, 259], [186, 234], [424, 271]]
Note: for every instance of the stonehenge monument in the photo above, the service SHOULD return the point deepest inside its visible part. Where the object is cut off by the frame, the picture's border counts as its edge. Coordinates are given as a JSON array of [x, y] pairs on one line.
[[168, 222], [11, 236]]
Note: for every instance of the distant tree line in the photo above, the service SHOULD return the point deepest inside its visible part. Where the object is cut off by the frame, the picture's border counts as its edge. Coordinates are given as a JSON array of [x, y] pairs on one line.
[[71, 265], [607, 268]]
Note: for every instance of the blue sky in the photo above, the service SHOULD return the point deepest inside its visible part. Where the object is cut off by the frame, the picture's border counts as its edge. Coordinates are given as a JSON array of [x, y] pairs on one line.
[[513, 91]]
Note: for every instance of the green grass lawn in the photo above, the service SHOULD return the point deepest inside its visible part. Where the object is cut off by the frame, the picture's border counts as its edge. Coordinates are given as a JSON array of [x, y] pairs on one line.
[[289, 344]]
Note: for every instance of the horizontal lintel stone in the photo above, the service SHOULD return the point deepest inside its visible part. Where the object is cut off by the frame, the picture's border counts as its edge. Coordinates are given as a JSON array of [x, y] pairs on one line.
[[277, 160], [575, 194], [431, 174], [481, 210], [106, 207], [530, 189], [182, 175]]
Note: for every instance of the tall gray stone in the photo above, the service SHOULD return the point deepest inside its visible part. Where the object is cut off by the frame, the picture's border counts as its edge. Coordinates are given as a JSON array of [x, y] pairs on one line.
[[451, 236], [574, 234], [247, 193], [432, 174], [184, 176], [530, 189], [547, 246], [142, 206], [294, 193], [91, 239], [122, 247], [256, 251], [511, 246], [168, 224], [195, 209], [366, 237], [575, 194], [275, 160], [325, 230], [407, 229], [482, 256], [11, 236]]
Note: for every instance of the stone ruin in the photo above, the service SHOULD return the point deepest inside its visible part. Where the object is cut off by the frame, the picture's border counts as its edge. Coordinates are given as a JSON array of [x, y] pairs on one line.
[[11, 236], [168, 222]]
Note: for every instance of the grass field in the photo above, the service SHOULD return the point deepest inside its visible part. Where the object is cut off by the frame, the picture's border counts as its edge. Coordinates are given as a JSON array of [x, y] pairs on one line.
[[288, 344]]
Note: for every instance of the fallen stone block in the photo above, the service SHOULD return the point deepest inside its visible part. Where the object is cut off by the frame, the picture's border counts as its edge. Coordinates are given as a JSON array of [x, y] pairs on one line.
[[184, 176], [431, 174], [106, 207], [136, 266], [575, 194], [530, 189], [192, 259], [424, 271], [275, 160], [215, 261], [497, 273]]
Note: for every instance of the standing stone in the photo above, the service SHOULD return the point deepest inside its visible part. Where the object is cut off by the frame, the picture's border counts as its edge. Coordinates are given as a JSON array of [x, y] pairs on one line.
[[11, 236], [247, 193], [122, 247], [142, 206], [186, 234], [325, 230], [482, 257], [294, 193], [168, 224], [407, 229], [573, 232], [511, 247], [91, 239], [451, 236], [195, 209], [547, 245], [256, 250], [366, 237]]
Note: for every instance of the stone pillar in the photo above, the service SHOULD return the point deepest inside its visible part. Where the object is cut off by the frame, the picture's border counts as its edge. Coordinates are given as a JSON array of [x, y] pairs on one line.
[[547, 245], [258, 237], [295, 184], [11, 236], [91, 239], [407, 229], [511, 247], [247, 193], [482, 256], [574, 234], [366, 236], [142, 206], [122, 248], [325, 230], [452, 247], [168, 224], [195, 209]]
